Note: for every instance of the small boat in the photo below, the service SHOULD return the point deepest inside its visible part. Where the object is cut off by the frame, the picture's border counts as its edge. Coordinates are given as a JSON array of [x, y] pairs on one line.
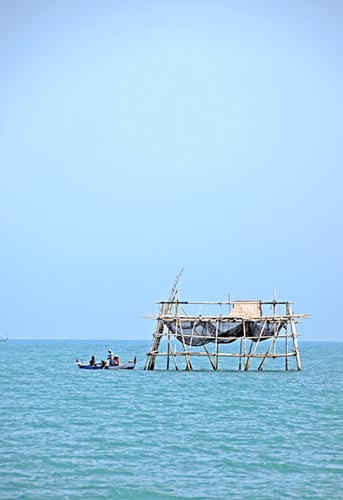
[[126, 366], [4, 339]]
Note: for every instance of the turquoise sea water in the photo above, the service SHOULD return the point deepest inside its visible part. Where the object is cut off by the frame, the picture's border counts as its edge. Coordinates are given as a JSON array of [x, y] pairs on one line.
[[68, 433]]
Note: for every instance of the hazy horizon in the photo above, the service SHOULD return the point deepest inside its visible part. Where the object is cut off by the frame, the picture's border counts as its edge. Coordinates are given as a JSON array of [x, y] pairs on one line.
[[141, 138]]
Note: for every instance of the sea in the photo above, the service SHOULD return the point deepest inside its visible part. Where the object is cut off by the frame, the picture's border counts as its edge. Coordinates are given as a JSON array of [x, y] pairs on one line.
[[67, 433]]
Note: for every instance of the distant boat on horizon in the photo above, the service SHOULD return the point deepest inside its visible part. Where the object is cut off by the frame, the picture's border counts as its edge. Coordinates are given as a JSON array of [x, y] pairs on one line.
[[3, 338]]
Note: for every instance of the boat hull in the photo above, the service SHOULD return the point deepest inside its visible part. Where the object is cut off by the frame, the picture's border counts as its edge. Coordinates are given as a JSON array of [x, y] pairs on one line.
[[126, 366]]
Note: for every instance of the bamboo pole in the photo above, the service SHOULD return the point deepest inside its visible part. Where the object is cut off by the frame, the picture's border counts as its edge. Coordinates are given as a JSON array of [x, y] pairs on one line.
[[168, 339], [275, 333], [188, 363], [150, 362], [165, 308], [171, 351], [192, 334], [286, 347], [216, 346], [191, 340], [294, 337], [207, 353], [244, 343], [227, 319], [226, 354], [274, 304], [248, 362], [224, 302], [240, 354], [174, 358], [267, 355]]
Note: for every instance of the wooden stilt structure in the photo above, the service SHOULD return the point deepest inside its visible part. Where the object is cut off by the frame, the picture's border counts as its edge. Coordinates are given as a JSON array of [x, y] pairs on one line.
[[252, 331], [165, 309]]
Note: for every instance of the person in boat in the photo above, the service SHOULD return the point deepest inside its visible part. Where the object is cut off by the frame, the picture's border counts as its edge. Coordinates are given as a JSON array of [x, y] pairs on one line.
[[103, 363], [116, 360], [110, 357], [92, 361]]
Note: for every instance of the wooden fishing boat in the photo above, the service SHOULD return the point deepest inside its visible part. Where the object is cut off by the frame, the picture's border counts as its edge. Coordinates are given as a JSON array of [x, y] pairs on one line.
[[125, 366]]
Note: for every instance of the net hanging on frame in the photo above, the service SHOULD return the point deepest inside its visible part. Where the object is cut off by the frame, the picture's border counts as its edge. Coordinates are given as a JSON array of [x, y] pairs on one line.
[[200, 332]]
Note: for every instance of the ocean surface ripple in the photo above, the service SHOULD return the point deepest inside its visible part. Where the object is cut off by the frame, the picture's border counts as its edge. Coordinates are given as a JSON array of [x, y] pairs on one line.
[[69, 434]]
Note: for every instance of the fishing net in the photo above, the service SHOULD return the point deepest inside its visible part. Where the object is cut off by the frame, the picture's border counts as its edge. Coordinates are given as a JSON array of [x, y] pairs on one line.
[[200, 332]]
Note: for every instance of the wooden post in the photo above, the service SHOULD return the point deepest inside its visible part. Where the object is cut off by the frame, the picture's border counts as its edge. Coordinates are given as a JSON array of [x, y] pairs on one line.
[[168, 356], [188, 362], [244, 343], [294, 336], [261, 366], [209, 356], [251, 354], [286, 346], [216, 359], [247, 362], [150, 362], [274, 304], [274, 314], [240, 354], [164, 308]]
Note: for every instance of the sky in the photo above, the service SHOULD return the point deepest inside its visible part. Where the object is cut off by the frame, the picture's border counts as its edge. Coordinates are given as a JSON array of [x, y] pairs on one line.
[[141, 137]]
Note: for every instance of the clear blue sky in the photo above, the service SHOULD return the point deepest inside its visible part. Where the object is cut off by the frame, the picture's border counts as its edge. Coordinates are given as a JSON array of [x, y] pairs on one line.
[[140, 137]]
